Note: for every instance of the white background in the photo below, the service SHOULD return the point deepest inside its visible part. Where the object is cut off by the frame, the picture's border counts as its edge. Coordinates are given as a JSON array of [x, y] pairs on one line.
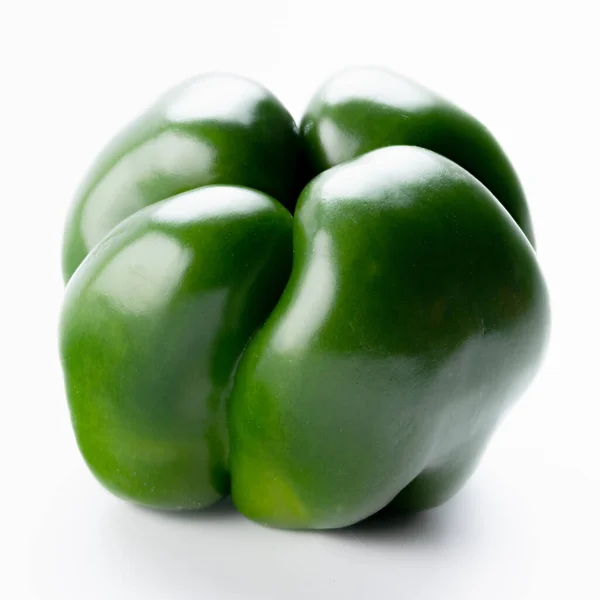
[[527, 525]]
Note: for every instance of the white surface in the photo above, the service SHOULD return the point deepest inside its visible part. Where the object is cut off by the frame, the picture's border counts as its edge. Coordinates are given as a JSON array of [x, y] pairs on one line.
[[527, 526]]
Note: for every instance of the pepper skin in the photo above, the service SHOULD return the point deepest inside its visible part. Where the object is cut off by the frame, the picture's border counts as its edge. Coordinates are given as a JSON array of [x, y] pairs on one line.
[[153, 324], [361, 109], [414, 316], [212, 129]]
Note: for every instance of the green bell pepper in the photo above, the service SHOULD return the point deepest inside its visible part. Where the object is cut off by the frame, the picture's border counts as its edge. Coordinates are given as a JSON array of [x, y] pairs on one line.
[[318, 368]]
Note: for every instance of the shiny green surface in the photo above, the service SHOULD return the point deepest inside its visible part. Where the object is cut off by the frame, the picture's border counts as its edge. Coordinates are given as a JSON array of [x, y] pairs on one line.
[[414, 317], [153, 324], [361, 109], [212, 129], [372, 374]]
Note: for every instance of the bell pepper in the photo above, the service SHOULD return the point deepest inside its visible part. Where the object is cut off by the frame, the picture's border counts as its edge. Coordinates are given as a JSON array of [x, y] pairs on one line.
[[320, 367]]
